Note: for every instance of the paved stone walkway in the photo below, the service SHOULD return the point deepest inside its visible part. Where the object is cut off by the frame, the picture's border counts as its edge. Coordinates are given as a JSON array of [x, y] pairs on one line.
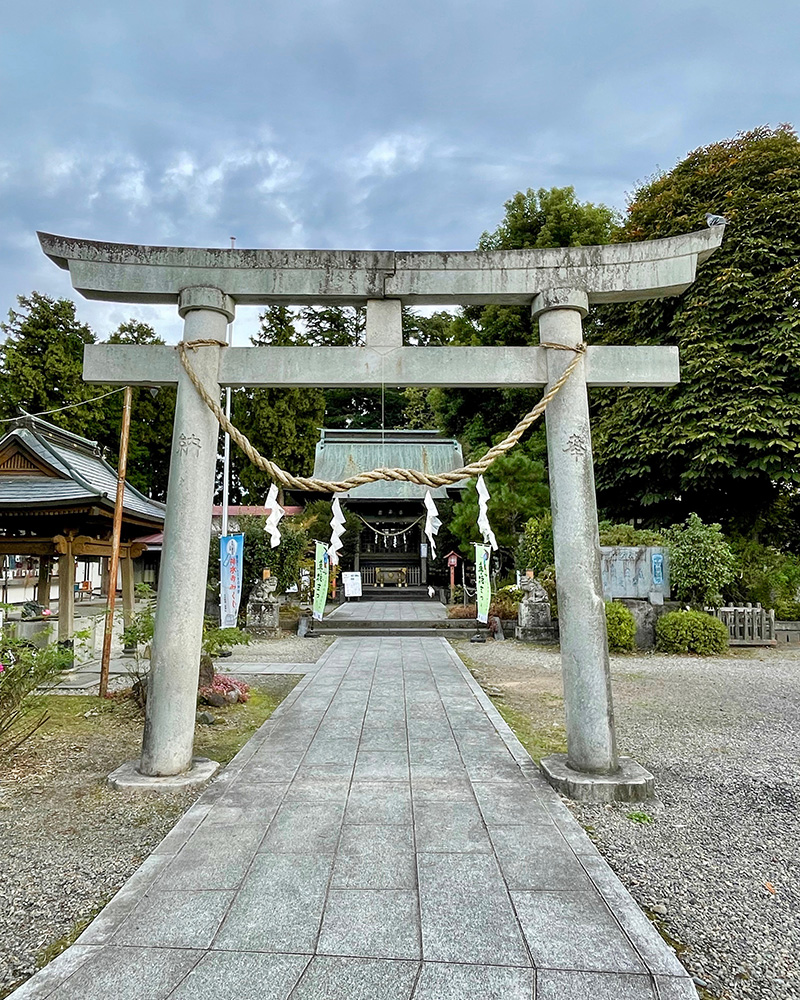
[[387, 611], [383, 836]]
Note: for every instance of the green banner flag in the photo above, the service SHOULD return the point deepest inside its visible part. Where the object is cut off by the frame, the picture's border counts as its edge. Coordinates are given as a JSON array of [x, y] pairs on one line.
[[482, 582], [322, 568]]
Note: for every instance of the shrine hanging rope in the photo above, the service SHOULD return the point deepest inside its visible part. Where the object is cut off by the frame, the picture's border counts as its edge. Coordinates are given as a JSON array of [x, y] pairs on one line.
[[471, 471], [390, 534]]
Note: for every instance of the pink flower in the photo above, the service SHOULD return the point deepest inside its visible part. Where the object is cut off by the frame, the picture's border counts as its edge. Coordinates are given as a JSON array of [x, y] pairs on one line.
[[2, 667], [46, 613]]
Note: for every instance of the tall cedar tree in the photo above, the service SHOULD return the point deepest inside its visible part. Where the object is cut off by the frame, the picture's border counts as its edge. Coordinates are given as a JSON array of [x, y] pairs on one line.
[[725, 442], [41, 369]]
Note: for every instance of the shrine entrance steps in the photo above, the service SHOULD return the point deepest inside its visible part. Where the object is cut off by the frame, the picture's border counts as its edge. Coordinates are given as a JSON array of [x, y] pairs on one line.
[[418, 594], [383, 835], [390, 618]]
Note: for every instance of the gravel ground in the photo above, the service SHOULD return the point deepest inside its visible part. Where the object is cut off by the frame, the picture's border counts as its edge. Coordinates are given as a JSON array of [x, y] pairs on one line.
[[67, 842], [716, 858]]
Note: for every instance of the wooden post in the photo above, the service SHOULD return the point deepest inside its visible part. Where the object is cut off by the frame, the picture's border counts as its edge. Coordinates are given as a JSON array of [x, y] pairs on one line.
[[45, 579], [112, 583], [66, 592], [127, 589]]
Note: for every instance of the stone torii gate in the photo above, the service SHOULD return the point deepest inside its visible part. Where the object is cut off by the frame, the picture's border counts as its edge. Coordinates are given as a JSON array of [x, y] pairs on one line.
[[558, 285]]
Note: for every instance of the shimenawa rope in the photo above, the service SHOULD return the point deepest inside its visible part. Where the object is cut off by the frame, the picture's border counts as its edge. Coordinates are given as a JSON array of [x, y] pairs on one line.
[[310, 483]]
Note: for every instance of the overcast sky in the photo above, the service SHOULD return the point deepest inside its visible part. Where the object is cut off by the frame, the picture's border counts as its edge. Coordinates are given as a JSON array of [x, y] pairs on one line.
[[354, 123]]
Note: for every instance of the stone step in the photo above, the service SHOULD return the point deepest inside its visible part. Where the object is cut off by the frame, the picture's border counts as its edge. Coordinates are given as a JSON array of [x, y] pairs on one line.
[[434, 624], [384, 629]]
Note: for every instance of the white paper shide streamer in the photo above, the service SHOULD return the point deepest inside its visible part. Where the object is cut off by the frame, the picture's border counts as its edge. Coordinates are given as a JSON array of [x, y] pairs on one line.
[[432, 522], [337, 530], [276, 512], [483, 515]]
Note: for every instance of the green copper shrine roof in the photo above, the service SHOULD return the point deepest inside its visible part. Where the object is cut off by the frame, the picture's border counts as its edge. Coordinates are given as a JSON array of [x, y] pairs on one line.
[[344, 453]]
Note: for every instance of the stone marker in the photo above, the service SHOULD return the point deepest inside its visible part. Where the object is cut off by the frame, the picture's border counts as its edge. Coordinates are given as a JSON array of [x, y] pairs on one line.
[[263, 609], [559, 286], [534, 617]]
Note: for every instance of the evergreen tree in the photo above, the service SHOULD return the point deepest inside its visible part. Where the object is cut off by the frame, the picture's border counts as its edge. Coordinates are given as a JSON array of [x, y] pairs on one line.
[[41, 364], [152, 417]]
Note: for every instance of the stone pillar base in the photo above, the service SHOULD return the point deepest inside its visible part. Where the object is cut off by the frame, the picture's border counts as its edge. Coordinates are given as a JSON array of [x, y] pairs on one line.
[[631, 783], [545, 634], [128, 778]]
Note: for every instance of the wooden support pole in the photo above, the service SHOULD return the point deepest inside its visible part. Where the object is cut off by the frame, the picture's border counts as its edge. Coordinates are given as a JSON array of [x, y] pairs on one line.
[[127, 589], [45, 576], [115, 539], [66, 593]]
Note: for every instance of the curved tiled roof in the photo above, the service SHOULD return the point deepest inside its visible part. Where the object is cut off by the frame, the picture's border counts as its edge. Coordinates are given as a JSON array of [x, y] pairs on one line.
[[76, 470]]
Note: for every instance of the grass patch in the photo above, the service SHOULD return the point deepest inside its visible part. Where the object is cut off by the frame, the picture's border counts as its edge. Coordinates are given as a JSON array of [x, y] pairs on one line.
[[539, 739], [54, 949], [639, 817], [223, 741]]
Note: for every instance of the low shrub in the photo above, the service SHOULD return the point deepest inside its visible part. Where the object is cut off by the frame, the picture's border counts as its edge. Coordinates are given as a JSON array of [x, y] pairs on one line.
[[223, 685], [691, 632], [505, 610], [621, 627], [26, 672], [787, 611]]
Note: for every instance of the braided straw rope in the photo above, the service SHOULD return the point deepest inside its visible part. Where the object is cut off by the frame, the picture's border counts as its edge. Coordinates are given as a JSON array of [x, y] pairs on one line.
[[473, 470]]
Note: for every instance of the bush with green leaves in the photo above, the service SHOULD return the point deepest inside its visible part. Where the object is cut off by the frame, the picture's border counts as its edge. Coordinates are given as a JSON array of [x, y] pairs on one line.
[[25, 673], [787, 611], [535, 550], [626, 534], [701, 562], [691, 632], [621, 628]]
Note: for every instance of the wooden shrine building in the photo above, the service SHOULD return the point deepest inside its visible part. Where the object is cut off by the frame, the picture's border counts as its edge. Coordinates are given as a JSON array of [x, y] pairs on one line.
[[57, 497], [391, 550]]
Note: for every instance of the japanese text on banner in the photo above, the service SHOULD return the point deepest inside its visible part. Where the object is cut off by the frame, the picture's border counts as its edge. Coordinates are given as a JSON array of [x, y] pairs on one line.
[[482, 582], [231, 555], [322, 565]]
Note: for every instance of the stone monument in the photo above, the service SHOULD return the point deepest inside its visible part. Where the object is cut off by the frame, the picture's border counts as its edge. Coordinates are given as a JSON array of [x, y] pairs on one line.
[[558, 285], [263, 608], [534, 619]]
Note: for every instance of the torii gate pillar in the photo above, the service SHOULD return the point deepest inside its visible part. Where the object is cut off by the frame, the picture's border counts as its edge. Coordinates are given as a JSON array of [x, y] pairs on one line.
[[172, 683], [584, 650]]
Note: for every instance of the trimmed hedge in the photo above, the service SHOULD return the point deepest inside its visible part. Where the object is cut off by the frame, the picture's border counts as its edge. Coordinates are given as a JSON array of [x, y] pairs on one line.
[[621, 628], [691, 632]]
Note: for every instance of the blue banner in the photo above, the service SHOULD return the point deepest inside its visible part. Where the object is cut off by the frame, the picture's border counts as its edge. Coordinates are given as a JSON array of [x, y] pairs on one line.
[[231, 556]]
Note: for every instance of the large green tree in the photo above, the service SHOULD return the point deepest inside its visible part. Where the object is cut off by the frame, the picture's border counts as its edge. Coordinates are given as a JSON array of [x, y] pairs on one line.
[[41, 370], [724, 442], [532, 219], [518, 491], [41, 364], [152, 417]]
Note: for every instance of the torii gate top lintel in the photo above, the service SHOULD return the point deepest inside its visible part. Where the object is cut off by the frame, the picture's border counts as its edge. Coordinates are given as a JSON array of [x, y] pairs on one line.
[[615, 272]]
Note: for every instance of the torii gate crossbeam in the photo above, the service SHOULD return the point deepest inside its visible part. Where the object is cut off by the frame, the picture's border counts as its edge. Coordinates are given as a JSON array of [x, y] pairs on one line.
[[558, 285]]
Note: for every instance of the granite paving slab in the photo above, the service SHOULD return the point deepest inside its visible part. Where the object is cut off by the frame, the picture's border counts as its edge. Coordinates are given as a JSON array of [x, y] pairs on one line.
[[383, 836]]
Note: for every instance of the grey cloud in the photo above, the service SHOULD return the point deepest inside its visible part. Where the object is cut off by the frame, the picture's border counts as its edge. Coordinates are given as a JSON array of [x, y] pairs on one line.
[[352, 123]]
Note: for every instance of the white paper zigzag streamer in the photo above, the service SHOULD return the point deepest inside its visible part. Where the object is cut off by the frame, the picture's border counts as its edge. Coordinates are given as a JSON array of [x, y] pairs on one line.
[[483, 515], [276, 512], [432, 522], [337, 530]]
